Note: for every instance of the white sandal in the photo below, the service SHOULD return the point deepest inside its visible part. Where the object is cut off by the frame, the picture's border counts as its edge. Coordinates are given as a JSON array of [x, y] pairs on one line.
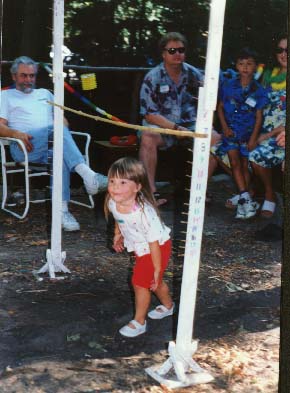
[[268, 209], [138, 329], [161, 312]]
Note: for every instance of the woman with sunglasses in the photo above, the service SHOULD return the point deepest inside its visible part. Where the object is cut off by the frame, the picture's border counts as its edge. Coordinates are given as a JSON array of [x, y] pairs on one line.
[[268, 153]]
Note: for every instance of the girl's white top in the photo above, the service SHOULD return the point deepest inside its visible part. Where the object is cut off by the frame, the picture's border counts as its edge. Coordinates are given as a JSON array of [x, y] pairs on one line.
[[140, 227]]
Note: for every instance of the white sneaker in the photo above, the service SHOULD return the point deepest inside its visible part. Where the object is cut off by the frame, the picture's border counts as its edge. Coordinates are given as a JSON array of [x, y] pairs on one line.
[[96, 183], [128, 331], [69, 223], [246, 208], [161, 312]]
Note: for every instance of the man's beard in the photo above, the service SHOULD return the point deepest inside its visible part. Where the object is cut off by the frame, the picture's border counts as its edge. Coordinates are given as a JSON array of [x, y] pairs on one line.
[[27, 88]]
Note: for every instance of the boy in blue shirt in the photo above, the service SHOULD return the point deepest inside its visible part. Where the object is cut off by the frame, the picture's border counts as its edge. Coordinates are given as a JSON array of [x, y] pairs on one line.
[[240, 111]]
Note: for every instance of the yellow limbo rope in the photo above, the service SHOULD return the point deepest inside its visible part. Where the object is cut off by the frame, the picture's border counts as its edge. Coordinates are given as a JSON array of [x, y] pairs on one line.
[[189, 134]]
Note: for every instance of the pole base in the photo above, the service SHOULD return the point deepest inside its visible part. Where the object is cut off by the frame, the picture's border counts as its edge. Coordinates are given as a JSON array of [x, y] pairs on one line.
[[54, 264], [184, 371]]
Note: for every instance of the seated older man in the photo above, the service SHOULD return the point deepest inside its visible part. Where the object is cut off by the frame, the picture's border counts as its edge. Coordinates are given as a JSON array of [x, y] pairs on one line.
[[25, 115]]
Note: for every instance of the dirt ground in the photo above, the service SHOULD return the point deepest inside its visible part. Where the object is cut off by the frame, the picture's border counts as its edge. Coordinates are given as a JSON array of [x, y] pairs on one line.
[[61, 336]]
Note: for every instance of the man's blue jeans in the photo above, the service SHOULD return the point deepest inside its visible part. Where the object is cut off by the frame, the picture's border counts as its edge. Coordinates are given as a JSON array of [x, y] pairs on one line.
[[42, 153]]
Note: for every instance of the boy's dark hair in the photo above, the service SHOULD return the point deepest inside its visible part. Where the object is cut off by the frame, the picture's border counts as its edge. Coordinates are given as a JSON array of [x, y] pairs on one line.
[[246, 53]]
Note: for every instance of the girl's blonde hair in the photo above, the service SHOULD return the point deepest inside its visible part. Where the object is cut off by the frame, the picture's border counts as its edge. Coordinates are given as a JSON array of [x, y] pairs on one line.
[[132, 169]]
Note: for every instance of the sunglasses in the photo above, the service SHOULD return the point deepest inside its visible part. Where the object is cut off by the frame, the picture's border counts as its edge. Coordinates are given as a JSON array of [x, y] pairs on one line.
[[172, 51], [280, 50]]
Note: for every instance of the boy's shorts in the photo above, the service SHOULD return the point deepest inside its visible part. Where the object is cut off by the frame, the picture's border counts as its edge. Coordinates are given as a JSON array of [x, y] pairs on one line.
[[143, 271], [234, 144]]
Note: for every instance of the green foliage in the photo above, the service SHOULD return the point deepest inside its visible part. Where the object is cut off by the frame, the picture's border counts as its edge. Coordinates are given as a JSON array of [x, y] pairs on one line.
[[27, 27], [110, 32], [253, 23], [126, 32]]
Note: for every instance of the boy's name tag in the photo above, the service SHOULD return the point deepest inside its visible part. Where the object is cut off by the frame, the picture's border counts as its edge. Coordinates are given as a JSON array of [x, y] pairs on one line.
[[251, 102], [164, 88]]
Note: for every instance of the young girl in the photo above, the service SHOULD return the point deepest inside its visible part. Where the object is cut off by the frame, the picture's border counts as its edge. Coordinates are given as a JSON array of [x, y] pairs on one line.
[[138, 228]]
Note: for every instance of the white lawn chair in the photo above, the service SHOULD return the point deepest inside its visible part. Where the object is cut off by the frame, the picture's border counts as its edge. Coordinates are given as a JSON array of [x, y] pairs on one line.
[[29, 170]]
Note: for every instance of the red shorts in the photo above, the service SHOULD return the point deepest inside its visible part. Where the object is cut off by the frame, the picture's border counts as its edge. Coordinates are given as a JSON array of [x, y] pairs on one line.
[[143, 271]]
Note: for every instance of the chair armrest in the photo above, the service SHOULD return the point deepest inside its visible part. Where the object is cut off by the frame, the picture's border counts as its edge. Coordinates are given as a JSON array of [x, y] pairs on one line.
[[84, 134], [87, 142], [7, 141]]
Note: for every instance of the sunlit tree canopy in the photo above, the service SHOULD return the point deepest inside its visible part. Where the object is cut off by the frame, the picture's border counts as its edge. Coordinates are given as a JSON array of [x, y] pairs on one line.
[[125, 32]]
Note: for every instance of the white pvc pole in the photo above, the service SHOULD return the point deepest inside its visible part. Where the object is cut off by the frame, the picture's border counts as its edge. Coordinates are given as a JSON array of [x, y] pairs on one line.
[[1, 32], [181, 352], [206, 106], [55, 256], [58, 27]]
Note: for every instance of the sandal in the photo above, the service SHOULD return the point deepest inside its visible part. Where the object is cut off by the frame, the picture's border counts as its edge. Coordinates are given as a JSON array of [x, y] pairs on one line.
[[161, 312], [158, 198], [232, 202], [268, 209], [135, 331]]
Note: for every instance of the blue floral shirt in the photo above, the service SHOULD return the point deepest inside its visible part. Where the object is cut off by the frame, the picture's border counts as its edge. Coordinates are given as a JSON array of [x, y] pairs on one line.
[[275, 111], [160, 95], [241, 104]]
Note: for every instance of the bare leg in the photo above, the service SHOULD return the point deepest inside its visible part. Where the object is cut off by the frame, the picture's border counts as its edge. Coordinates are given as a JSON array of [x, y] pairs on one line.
[[265, 174], [162, 292], [245, 169], [215, 138], [237, 169], [226, 168], [142, 302], [148, 155], [212, 165]]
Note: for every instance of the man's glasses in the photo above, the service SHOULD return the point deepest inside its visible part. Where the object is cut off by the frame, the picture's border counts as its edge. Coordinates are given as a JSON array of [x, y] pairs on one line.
[[172, 51], [280, 50]]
